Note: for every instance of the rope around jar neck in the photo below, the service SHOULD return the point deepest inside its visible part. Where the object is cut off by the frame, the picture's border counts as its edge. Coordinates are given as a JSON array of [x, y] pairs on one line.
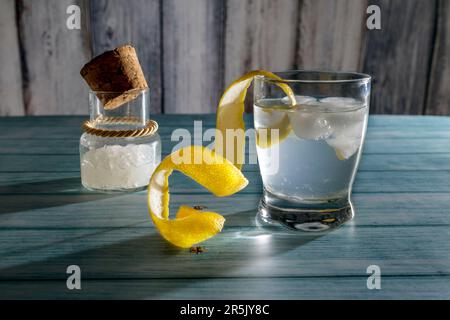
[[89, 126]]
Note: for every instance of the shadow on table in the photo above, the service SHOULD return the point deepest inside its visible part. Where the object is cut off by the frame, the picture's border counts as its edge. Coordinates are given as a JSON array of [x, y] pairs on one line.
[[45, 194], [241, 250]]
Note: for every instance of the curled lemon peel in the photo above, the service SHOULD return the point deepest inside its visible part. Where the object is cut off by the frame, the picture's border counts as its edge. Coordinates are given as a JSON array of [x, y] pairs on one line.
[[221, 176], [208, 169], [230, 116]]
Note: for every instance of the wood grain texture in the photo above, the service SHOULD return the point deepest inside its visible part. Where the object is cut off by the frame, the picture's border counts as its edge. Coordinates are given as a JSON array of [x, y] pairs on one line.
[[135, 22], [373, 145], [192, 55], [398, 56], [260, 35], [438, 100], [48, 222], [331, 34], [231, 289], [92, 210], [190, 50], [10, 64], [237, 252], [53, 56], [432, 130], [402, 181]]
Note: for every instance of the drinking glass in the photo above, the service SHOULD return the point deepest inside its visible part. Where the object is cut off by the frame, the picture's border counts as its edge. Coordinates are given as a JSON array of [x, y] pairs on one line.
[[309, 147]]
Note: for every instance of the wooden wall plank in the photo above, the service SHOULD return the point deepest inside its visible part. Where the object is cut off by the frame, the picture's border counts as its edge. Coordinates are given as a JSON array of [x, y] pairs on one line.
[[135, 22], [331, 34], [199, 46], [260, 35], [54, 55], [192, 52], [438, 100], [10, 75], [398, 55]]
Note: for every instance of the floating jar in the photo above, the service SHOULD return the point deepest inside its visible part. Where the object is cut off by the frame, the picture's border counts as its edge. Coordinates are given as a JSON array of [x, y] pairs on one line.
[[120, 147]]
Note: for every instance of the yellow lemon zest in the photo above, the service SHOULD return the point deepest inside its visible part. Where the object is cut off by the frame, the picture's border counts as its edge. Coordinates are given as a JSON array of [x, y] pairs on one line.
[[230, 116], [221, 176], [208, 169]]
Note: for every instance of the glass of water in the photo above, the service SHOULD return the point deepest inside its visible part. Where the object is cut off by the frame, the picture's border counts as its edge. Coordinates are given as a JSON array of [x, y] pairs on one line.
[[309, 146]]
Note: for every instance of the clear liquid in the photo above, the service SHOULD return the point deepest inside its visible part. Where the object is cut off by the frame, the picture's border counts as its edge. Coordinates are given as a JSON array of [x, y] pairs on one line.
[[318, 150]]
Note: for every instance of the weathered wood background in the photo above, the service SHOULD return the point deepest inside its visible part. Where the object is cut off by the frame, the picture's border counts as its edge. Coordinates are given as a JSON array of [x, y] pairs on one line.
[[191, 49]]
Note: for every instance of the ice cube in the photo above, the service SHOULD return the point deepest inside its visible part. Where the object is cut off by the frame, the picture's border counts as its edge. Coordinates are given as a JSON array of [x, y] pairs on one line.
[[344, 146], [300, 100], [271, 113], [347, 122], [337, 120], [267, 117], [310, 125], [339, 103], [307, 121]]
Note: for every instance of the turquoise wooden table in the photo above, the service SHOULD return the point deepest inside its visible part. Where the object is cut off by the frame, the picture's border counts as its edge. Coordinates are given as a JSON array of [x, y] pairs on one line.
[[48, 222]]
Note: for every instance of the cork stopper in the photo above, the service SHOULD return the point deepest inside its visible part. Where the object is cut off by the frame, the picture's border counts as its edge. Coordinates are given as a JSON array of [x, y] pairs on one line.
[[116, 75]]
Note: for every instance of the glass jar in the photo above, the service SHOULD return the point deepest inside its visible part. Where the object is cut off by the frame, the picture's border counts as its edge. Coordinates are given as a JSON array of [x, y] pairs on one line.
[[120, 148]]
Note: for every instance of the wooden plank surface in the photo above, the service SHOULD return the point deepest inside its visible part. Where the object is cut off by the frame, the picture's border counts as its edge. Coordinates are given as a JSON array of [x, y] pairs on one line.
[[53, 56], [438, 101], [232, 289], [371, 162], [10, 64], [191, 49], [398, 56], [57, 128], [134, 252], [401, 196], [331, 34], [260, 35], [135, 22], [43, 211], [60, 133], [376, 121], [192, 55], [39, 181], [374, 145]]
